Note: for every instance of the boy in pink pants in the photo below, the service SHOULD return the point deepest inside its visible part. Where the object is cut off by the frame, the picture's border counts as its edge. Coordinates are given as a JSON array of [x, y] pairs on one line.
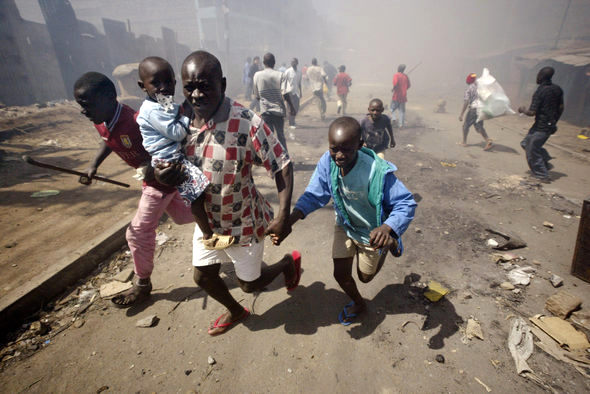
[[116, 124]]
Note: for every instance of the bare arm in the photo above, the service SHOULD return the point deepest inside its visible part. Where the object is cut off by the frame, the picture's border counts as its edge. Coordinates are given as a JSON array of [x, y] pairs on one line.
[[280, 227], [101, 154], [465, 104], [390, 132], [527, 112]]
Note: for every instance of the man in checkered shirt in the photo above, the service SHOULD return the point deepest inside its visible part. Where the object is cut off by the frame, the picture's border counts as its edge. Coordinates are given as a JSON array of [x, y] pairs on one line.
[[226, 140]]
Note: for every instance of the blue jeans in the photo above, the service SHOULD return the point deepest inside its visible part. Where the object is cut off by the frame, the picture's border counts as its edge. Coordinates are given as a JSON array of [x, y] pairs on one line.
[[537, 157], [402, 111]]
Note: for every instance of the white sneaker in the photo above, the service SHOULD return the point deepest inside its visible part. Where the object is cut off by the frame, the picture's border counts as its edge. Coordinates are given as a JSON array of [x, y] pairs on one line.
[[292, 136], [292, 127]]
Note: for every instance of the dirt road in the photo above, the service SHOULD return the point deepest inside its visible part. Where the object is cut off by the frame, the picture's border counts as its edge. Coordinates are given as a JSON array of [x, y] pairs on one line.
[[293, 342]]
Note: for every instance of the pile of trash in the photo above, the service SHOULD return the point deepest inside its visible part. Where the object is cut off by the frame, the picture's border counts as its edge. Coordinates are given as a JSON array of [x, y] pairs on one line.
[[59, 315]]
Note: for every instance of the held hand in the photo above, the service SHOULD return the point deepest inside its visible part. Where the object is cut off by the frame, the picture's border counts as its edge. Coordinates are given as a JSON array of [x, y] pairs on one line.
[[380, 238], [278, 230], [171, 174], [521, 109], [87, 180], [392, 145], [460, 118]]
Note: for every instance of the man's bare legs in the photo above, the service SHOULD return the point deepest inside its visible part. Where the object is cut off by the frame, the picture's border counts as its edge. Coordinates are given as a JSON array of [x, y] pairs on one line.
[[208, 278]]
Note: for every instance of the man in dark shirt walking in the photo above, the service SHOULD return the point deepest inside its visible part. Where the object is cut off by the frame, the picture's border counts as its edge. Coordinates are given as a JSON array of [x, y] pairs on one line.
[[546, 107]]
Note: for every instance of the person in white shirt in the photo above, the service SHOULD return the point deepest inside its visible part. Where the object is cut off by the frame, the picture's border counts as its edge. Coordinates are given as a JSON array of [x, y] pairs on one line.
[[317, 78], [292, 90]]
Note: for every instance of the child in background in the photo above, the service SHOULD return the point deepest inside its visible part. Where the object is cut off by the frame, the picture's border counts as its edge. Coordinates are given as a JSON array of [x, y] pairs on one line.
[[163, 128], [342, 81], [373, 209], [376, 128]]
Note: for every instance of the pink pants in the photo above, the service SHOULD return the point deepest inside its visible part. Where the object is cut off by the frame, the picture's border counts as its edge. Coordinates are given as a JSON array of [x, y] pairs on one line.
[[141, 233]]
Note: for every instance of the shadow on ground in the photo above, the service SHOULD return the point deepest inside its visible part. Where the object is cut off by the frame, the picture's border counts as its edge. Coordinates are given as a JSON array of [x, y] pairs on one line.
[[314, 306]]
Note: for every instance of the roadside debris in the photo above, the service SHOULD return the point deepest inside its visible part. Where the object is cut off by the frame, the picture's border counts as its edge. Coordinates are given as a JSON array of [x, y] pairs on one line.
[[147, 321], [507, 286], [161, 238], [211, 360], [556, 280], [521, 275], [113, 288], [492, 243], [562, 331], [548, 224], [505, 257], [124, 276], [561, 304], [512, 241], [579, 360], [581, 319], [520, 343], [435, 291], [440, 358], [445, 164], [485, 386], [473, 329], [45, 193]]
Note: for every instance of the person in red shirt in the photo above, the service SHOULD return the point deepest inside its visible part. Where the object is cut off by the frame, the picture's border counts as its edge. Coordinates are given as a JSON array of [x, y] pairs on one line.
[[115, 122], [401, 84], [342, 81]]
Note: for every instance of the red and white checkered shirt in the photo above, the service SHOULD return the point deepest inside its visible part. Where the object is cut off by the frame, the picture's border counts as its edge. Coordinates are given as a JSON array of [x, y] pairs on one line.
[[225, 149]]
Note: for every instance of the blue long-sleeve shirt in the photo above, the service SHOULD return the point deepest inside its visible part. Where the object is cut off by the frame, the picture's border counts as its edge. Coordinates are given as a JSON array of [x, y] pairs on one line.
[[398, 205], [162, 131]]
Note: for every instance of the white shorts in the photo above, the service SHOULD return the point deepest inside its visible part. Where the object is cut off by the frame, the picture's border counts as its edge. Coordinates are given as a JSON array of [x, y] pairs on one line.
[[247, 259]]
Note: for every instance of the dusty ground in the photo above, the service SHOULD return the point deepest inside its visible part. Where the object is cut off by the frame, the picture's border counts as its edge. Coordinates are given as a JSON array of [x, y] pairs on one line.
[[293, 342]]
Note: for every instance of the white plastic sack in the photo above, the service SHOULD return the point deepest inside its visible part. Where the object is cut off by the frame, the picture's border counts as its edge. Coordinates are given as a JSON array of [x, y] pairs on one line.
[[491, 101]]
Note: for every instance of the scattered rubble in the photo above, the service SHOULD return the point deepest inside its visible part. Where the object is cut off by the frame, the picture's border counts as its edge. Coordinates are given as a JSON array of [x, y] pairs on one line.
[[492, 243], [473, 329], [435, 291], [562, 331], [113, 288], [581, 319], [124, 276], [148, 321], [512, 240], [521, 275], [556, 280], [520, 343], [161, 238], [561, 304]]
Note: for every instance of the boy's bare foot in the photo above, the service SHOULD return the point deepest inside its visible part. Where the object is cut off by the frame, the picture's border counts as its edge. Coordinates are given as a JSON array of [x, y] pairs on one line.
[[463, 144], [135, 295], [488, 146]]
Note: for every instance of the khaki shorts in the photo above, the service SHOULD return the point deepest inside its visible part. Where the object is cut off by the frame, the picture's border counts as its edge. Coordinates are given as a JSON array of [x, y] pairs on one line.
[[344, 247]]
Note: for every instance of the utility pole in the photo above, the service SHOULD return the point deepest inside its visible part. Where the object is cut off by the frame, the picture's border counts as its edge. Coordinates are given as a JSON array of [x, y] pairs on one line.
[[562, 23]]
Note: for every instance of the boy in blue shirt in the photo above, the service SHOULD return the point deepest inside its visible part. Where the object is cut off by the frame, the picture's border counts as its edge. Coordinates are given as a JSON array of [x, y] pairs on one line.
[[373, 208]]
